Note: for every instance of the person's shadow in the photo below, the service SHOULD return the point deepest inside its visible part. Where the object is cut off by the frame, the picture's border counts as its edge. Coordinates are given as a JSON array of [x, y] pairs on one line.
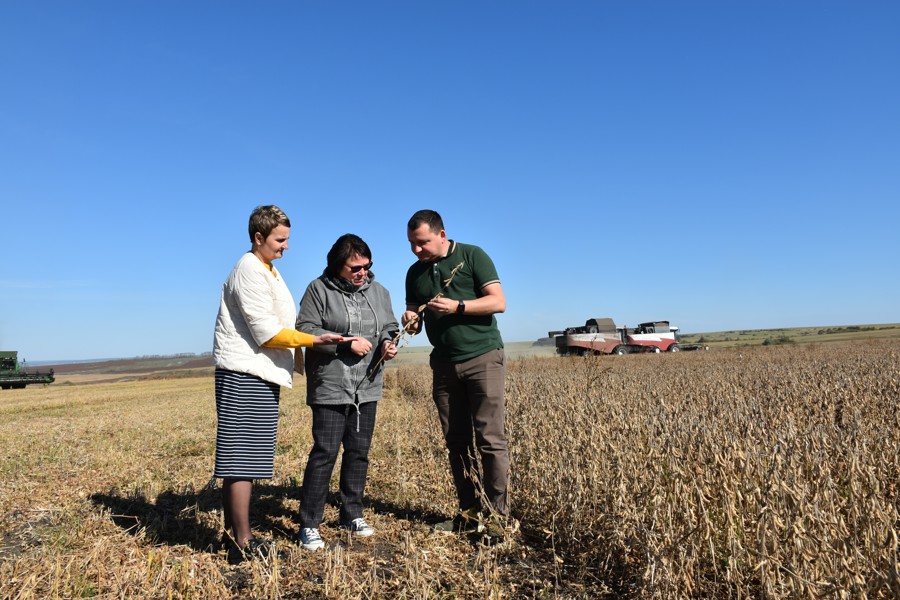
[[173, 518], [193, 518]]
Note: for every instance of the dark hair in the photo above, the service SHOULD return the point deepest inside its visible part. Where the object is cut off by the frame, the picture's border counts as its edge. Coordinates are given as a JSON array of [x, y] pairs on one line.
[[431, 217], [346, 246], [264, 219]]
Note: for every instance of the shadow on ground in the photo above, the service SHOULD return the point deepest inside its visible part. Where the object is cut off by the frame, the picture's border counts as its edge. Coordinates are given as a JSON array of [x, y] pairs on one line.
[[172, 518], [192, 517]]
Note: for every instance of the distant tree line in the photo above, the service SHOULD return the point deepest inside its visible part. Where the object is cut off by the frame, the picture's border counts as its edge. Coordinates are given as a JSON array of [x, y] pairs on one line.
[[781, 339], [848, 329]]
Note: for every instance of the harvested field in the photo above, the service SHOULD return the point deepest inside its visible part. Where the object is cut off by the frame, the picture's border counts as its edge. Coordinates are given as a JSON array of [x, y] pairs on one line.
[[765, 472]]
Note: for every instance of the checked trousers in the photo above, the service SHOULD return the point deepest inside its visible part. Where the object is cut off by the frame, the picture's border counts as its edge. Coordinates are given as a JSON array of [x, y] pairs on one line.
[[334, 427]]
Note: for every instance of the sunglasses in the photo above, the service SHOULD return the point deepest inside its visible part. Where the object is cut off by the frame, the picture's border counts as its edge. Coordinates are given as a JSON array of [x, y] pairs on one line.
[[359, 268]]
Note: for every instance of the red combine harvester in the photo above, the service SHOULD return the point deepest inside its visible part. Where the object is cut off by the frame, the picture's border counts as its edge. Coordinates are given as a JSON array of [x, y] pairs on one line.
[[603, 336]]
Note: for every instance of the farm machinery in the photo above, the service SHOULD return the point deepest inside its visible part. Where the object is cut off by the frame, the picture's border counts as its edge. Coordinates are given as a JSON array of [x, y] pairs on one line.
[[13, 374], [603, 336]]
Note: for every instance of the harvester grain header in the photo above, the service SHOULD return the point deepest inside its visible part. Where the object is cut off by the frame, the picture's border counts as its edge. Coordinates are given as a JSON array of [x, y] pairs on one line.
[[13, 374]]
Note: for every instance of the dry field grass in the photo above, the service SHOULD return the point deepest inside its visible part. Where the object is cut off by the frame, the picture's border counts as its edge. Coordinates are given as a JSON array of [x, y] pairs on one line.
[[756, 472]]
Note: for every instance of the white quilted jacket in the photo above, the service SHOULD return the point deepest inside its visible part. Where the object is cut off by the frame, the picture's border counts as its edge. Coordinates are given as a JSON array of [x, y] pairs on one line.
[[255, 306]]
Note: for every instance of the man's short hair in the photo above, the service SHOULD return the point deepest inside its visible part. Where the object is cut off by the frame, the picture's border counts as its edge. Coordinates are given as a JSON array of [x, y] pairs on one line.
[[264, 219], [431, 217], [345, 247]]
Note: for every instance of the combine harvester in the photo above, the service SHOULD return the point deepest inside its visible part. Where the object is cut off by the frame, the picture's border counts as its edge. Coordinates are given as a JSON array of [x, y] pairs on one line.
[[13, 374], [603, 336]]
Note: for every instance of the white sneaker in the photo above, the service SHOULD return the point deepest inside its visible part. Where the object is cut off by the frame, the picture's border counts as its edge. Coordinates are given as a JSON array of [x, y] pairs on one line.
[[359, 527], [310, 539]]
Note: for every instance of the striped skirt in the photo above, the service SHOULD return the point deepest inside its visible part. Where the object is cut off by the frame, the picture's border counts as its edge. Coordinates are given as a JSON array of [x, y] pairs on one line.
[[247, 411]]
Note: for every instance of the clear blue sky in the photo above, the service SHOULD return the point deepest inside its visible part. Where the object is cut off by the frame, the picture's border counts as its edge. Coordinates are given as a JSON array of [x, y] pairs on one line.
[[722, 165]]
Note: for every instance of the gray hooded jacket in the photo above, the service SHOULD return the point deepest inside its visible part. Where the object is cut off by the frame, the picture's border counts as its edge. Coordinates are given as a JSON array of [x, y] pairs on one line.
[[332, 305]]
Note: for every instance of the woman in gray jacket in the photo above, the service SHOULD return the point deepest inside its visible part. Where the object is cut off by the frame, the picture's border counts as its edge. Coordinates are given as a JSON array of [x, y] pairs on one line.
[[344, 382]]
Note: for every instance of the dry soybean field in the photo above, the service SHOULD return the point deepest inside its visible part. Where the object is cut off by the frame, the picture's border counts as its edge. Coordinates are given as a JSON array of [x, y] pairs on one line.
[[764, 472]]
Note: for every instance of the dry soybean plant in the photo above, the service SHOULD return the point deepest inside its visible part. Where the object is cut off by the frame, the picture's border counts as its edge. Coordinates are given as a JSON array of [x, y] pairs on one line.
[[765, 473]]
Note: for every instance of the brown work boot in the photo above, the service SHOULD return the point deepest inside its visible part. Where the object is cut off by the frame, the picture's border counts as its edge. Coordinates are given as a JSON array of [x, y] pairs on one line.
[[466, 521], [499, 528]]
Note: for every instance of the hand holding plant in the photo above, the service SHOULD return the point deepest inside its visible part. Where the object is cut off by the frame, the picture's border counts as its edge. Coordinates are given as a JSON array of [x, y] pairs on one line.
[[413, 324]]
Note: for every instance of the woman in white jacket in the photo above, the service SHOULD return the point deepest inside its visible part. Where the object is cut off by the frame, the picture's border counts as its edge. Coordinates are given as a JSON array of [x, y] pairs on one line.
[[253, 353]]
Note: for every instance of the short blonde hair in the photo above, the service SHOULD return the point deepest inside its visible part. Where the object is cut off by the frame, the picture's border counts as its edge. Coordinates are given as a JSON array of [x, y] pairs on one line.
[[264, 219]]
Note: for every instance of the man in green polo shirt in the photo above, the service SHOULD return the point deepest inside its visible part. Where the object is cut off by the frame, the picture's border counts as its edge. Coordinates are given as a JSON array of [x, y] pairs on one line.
[[459, 288]]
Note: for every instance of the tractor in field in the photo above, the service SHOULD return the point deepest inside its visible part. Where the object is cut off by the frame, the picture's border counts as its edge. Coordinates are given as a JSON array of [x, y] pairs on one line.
[[13, 374], [603, 336]]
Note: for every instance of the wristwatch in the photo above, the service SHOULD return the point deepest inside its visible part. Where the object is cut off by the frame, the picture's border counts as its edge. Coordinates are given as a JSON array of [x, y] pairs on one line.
[[461, 307]]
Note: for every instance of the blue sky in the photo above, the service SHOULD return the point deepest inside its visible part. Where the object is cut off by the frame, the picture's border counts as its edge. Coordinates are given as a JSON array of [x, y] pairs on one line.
[[722, 165]]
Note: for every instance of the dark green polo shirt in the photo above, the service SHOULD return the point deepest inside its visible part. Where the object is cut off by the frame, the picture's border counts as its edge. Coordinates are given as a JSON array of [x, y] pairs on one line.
[[455, 337]]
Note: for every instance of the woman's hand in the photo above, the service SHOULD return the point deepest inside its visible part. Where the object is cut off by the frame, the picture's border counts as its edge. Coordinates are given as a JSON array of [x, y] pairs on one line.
[[389, 349], [359, 346], [327, 338]]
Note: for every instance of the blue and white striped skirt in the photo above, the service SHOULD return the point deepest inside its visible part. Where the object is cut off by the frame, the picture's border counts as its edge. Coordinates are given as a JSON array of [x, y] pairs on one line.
[[247, 411]]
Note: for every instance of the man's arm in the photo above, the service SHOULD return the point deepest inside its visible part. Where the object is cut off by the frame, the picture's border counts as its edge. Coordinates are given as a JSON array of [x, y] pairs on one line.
[[491, 302]]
